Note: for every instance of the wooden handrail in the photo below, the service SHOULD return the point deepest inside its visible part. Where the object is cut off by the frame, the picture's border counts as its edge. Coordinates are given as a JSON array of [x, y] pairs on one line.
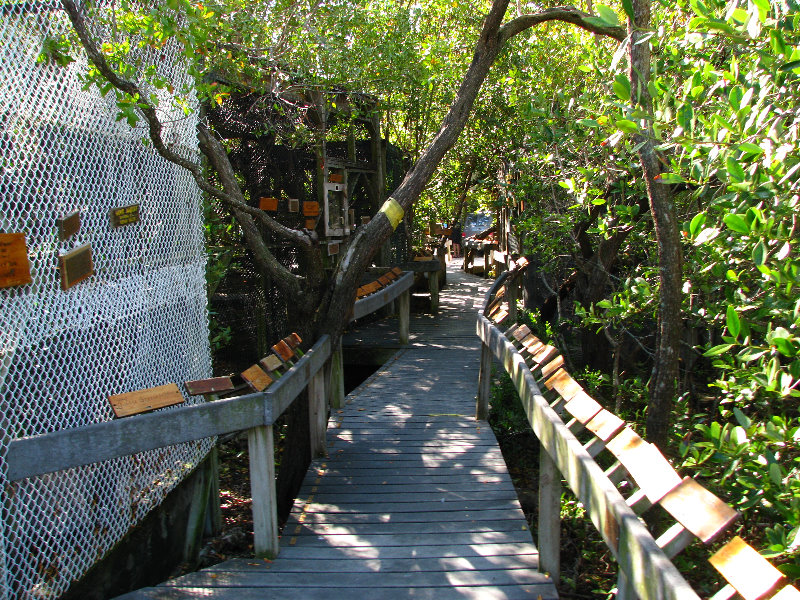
[[256, 413], [645, 567]]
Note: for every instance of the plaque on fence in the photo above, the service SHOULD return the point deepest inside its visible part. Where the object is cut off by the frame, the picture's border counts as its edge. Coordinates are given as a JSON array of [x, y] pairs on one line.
[[15, 269], [124, 215], [132, 403], [256, 378], [269, 204], [68, 225], [294, 205], [75, 266], [311, 209]]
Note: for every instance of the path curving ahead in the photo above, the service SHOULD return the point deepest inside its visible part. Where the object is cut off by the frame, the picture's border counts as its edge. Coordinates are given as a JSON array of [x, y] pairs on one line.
[[414, 499]]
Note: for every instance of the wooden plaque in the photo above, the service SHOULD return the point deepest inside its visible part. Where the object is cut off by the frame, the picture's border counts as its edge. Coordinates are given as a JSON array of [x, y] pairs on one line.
[[283, 351], [132, 403], [75, 266], [294, 205], [311, 209], [397, 271], [256, 378], [333, 248], [214, 385], [15, 269], [270, 204], [271, 363], [336, 178], [293, 340], [311, 224], [365, 220], [124, 215], [68, 225]]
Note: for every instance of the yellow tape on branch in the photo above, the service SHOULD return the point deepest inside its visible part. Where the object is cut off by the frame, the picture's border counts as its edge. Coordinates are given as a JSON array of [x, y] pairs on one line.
[[393, 212]]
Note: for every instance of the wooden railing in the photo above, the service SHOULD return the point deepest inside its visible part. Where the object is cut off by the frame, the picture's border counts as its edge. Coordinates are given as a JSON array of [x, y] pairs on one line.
[[569, 448], [256, 413]]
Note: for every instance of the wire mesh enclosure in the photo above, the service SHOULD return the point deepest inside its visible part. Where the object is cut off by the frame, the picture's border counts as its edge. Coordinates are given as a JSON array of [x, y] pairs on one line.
[[134, 316]]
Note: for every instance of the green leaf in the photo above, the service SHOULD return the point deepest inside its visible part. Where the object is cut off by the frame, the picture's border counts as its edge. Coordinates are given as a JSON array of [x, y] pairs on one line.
[[670, 178], [608, 15], [627, 126], [749, 148], [737, 224], [775, 473], [735, 170], [760, 253], [735, 97], [622, 87], [785, 347], [790, 66], [627, 6], [588, 123], [741, 418], [697, 223], [732, 318], [717, 350]]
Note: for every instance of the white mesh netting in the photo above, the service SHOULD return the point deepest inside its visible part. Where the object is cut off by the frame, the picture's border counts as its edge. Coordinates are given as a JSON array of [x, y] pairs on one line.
[[140, 321]]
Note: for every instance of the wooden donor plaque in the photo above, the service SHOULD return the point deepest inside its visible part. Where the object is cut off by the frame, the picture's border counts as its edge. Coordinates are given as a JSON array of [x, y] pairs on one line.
[[75, 266], [124, 215], [132, 403], [68, 225], [256, 378], [333, 248], [14, 266], [311, 209], [294, 205], [311, 224], [270, 204], [205, 387]]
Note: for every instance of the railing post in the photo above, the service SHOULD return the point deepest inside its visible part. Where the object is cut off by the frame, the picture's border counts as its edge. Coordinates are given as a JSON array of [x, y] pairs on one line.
[[433, 282], [317, 413], [484, 384], [549, 515], [404, 316], [512, 293], [261, 448], [337, 377]]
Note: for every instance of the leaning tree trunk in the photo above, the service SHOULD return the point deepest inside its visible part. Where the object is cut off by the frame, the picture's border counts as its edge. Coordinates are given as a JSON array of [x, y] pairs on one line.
[[664, 376]]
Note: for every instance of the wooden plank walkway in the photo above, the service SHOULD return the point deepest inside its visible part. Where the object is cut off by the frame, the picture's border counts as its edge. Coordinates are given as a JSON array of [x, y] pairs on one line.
[[413, 500]]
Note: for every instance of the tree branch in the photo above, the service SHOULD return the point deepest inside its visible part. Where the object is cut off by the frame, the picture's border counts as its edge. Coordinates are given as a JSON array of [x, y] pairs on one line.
[[566, 14], [232, 197]]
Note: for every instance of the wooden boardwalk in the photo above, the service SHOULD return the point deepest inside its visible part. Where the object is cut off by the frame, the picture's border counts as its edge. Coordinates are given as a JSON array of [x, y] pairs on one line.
[[413, 500]]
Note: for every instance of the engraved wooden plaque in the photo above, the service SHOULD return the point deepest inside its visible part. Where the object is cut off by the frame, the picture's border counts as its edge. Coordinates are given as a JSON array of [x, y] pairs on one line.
[[75, 266], [203, 387], [311, 209], [256, 378], [68, 225], [270, 204], [15, 269], [333, 248], [311, 224], [294, 205], [124, 215], [132, 403]]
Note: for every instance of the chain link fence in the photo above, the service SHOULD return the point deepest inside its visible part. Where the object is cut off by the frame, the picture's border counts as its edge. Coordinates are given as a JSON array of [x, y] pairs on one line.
[[138, 322]]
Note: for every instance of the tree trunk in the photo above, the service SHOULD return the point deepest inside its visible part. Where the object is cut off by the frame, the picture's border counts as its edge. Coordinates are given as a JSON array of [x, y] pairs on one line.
[[664, 376]]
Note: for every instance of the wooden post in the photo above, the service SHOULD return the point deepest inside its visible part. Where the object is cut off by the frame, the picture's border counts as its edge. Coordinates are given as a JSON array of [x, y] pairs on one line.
[[433, 282], [261, 447], [317, 413], [549, 516], [214, 520], [484, 384], [404, 316], [337, 377], [512, 293]]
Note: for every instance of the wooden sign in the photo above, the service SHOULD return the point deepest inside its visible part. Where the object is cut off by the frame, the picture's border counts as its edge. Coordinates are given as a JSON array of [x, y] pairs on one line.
[[271, 364], [256, 378], [294, 205], [132, 403], [270, 204], [293, 340], [311, 209], [336, 178], [333, 248], [283, 351], [75, 266], [203, 387], [311, 224], [124, 215], [15, 269], [365, 220], [68, 226]]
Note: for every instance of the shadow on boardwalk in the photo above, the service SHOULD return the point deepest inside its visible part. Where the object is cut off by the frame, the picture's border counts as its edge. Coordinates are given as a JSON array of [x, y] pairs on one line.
[[413, 500]]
